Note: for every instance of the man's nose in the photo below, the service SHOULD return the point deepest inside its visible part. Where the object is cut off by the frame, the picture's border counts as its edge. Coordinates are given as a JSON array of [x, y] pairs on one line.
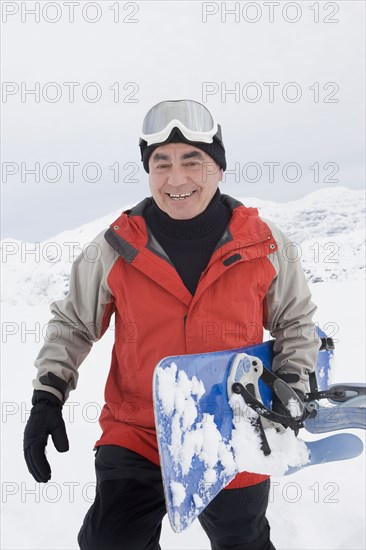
[[177, 176]]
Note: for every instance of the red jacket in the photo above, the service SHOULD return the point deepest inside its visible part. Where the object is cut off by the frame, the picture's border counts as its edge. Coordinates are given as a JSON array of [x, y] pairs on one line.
[[156, 316]]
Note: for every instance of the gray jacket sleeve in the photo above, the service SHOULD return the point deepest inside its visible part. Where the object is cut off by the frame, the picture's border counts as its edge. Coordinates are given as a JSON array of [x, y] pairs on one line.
[[78, 321], [289, 314]]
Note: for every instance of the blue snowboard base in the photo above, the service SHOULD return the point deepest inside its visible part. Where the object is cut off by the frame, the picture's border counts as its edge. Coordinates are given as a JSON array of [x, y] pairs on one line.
[[189, 487], [331, 449], [191, 405]]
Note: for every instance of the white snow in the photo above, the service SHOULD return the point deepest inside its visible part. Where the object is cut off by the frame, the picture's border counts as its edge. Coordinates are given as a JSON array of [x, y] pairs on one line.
[[178, 492], [197, 501], [319, 508], [166, 382], [286, 449], [294, 407]]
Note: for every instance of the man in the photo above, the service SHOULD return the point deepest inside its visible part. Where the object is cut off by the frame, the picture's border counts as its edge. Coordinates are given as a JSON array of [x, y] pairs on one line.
[[187, 270]]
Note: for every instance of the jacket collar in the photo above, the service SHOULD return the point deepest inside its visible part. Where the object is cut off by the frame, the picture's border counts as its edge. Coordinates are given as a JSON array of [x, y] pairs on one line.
[[246, 238]]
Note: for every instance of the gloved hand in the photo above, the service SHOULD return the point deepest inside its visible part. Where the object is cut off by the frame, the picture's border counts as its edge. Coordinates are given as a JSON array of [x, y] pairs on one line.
[[45, 419], [279, 408]]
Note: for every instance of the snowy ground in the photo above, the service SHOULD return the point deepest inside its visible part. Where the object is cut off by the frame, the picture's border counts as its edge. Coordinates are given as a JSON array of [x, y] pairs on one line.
[[321, 508]]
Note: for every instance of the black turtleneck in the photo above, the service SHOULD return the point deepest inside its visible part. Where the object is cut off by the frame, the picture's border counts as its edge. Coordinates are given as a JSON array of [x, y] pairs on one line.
[[189, 243]]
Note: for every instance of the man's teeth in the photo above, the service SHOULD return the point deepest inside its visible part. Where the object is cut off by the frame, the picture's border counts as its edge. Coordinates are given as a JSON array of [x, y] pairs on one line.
[[181, 196]]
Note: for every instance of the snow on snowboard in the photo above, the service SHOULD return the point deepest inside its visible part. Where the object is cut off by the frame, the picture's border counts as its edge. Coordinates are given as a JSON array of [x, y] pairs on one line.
[[213, 420]]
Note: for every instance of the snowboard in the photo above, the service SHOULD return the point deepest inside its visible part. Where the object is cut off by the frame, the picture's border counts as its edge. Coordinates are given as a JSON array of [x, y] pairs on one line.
[[197, 425]]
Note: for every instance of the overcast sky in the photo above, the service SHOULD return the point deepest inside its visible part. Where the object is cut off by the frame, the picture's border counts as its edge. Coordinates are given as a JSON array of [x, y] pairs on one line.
[[284, 79]]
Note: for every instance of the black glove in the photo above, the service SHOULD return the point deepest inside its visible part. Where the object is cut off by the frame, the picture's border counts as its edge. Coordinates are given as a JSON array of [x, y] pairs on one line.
[[279, 408], [45, 419]]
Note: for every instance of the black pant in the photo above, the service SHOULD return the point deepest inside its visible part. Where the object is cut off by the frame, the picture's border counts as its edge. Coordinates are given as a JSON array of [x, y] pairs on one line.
[[129, 507]]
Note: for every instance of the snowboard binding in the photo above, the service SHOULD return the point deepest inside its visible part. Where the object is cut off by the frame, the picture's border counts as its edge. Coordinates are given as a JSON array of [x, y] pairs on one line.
[[244, 374], [345, 405]]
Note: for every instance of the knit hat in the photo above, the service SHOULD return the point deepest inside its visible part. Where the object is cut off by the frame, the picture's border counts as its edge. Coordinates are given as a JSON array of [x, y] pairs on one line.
[[215, 149]]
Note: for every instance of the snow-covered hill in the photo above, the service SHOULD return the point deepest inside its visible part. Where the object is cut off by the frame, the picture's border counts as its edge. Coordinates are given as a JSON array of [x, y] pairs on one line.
[[326, 228]]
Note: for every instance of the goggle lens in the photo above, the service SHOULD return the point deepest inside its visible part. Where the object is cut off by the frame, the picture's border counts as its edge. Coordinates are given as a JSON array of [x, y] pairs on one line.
[[193, 115]]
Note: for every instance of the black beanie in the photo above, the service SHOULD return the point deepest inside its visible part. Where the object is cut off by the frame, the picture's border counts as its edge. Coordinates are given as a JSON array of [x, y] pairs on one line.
[[215, 149]]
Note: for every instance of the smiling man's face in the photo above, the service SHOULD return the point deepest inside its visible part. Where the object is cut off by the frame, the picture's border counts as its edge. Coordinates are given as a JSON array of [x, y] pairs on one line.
[[183, 179]]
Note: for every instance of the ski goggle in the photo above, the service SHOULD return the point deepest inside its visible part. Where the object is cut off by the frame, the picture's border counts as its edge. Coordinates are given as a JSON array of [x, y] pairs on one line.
[[192, 118]]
